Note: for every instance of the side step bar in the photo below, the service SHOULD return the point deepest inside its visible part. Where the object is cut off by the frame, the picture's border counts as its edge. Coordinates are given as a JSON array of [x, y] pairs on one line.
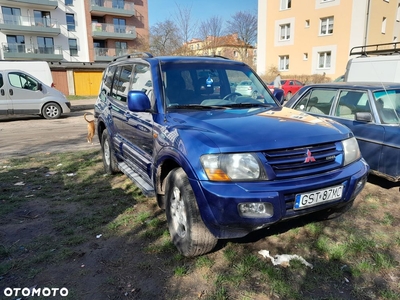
[[146, 188]]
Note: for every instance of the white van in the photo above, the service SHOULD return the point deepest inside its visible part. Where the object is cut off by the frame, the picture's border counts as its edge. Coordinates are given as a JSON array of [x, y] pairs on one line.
[[38, 69], [22, 93], [376, 63]]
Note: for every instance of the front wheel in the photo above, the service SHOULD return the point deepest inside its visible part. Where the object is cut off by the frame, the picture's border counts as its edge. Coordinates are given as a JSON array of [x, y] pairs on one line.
[[188, 232], [109, 160], [51, 111]]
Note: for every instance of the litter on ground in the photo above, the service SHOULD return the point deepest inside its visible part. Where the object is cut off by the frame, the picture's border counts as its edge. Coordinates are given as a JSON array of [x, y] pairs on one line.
[[284, 259]]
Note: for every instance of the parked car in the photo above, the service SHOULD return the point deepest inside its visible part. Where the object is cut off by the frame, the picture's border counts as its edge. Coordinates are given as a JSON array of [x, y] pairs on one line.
[[278, 93], [370, 110], [22, 93], [222, 165], [289, 87], [247, 88]]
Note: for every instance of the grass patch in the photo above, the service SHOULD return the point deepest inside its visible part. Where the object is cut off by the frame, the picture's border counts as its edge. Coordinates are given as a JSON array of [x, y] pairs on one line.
[[60, 212]]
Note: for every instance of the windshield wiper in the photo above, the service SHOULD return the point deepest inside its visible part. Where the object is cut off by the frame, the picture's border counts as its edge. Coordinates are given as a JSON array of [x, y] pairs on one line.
[[248, 105], [195, 106]]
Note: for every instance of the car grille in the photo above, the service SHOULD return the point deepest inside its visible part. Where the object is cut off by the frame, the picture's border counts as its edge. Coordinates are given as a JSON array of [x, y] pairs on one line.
[[295, 162]]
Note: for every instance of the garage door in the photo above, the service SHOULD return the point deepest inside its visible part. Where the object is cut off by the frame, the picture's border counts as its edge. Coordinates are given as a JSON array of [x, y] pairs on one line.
[[87, 83]]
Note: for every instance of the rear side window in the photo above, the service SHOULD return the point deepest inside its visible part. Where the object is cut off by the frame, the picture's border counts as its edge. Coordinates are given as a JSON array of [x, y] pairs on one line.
[[1, 80]]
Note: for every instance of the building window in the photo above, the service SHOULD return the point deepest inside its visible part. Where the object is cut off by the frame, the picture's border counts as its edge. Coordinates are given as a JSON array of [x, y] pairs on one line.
[[45, 44], [121, 48], [324, 60], [73, 47], [305, 56], [286, 4], [69, 2], [307, 23], [11, 15], [70, 22], [326, 26], [383, 25], [284, 63], [119, 25], [284, 32], [42, 18]]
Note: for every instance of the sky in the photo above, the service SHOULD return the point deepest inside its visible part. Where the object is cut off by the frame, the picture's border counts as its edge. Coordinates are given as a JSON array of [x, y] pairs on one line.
[[161, 10]]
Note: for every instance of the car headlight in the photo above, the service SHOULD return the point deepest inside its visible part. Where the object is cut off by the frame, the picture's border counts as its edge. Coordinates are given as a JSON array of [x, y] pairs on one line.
[[351, 151], [236, 166]]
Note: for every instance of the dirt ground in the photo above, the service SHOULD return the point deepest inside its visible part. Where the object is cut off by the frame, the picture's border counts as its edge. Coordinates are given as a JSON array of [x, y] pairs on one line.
[[137, 275]]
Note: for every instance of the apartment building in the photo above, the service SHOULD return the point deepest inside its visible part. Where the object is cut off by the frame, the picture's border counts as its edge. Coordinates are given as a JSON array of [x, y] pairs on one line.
[[315, 36], [76, 37], [229, 46]]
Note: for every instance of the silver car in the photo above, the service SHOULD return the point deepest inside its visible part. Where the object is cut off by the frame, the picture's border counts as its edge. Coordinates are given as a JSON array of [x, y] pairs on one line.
[[247, 88]]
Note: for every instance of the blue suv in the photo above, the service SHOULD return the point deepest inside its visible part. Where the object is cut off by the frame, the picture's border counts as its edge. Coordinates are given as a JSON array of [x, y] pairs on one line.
[[220, 163]]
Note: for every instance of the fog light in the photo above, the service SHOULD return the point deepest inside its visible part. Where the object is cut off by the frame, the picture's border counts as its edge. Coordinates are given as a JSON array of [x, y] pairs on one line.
[[256, 210], [359, 186]]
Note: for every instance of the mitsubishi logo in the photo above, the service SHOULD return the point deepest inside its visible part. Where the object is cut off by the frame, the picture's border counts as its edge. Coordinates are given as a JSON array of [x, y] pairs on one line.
[[309, 157]]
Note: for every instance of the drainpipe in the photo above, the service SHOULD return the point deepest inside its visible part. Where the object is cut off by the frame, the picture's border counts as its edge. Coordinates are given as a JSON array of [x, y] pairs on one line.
[[367, 23]]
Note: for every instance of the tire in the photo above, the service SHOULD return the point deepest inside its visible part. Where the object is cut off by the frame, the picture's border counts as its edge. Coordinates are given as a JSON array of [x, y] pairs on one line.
[[288, 96], [188, 232], [109, 160], [51, 111]]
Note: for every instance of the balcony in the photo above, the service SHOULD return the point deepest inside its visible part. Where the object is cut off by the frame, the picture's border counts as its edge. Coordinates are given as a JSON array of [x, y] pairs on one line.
[[108, 54], [112, 7], [31, 52], [10, 24], [39, 4], [103, 31]]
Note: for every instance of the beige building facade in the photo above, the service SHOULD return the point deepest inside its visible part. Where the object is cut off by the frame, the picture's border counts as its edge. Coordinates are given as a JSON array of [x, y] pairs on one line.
[[306, 37]]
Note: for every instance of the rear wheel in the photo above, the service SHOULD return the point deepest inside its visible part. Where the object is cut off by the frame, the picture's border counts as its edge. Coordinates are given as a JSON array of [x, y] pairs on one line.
[[51, 111], [109, 160], [188, 232]]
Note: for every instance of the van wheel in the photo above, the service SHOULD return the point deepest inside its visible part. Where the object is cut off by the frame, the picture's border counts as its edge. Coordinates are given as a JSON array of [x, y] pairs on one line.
[[188, 232], [51, 111], [109, 160]]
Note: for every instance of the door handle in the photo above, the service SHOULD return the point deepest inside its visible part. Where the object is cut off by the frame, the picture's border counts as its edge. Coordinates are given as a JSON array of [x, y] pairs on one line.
[[10, 91], [2, 92]]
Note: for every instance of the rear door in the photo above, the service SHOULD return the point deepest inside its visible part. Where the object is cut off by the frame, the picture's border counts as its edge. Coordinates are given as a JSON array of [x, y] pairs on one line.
[[5, 102], [25, 93]]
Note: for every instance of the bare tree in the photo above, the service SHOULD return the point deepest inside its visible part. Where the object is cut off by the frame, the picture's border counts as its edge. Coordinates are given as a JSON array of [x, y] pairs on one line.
[[210, 31], [244, 24], [164, 38], [185, 25]]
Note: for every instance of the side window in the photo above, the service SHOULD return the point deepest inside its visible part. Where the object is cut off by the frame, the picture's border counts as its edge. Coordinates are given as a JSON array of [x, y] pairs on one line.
[[317, 101], [141, 81], [351, 102], [108, 79], [1, 80], [121, 83], [23, 81]]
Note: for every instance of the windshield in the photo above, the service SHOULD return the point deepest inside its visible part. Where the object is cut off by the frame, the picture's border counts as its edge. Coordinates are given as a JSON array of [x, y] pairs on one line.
[[213, 85], [387, 104]]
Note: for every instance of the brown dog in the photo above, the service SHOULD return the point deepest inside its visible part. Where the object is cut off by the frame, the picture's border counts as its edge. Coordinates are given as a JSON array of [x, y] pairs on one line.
[[91, 129]]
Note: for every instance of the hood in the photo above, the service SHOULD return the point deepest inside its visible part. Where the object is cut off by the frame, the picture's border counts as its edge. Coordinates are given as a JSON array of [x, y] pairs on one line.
[[255, 129]]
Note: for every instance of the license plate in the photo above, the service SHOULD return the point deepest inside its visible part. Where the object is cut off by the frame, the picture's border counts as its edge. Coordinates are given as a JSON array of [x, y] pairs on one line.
[[318, 197]]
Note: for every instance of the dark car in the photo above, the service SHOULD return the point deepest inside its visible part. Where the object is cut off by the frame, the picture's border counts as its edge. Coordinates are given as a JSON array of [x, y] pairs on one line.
[[222, 164], [370, 110]]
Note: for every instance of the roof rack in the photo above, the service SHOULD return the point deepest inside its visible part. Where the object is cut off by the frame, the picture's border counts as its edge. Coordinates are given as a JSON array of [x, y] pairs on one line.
[[133, 55], [376, 49]]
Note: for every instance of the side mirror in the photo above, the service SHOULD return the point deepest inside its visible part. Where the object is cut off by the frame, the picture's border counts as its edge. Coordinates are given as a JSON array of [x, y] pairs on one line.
[[364, 116], [138, 101], [40, 87]]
